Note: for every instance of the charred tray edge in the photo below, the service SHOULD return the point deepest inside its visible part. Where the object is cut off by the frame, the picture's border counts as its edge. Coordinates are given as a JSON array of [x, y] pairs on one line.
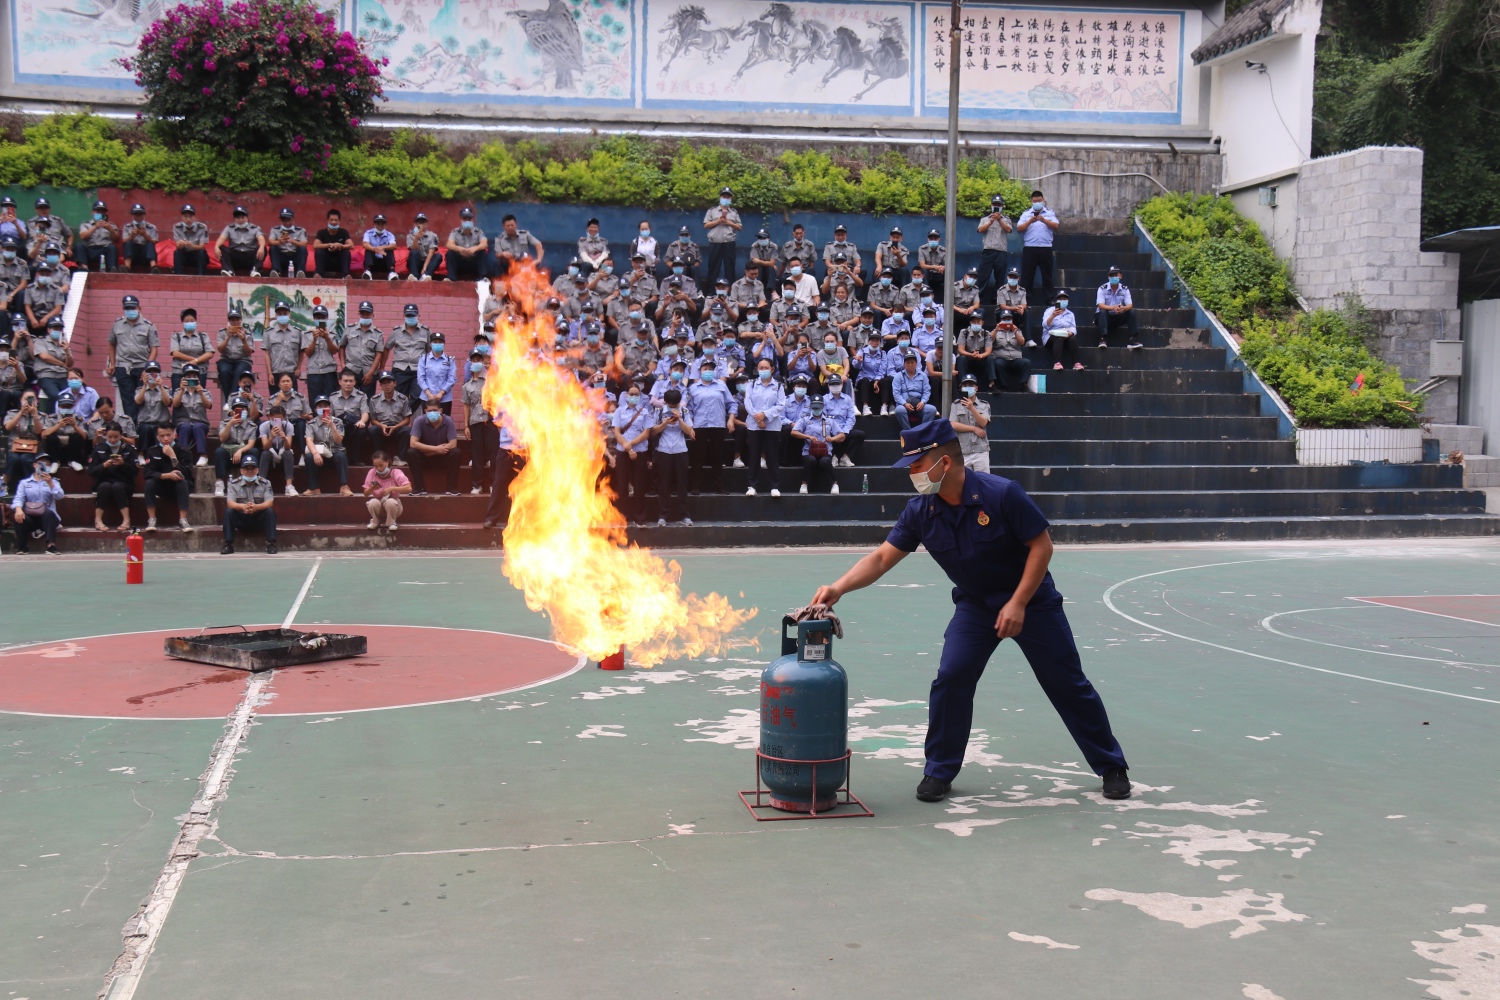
[[226, 649]]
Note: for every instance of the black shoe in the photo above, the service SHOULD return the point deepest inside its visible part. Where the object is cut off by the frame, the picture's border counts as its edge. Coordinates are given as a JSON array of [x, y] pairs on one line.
[[270, 548], [52, 550], [1116, 784], [488, 525], [933, 790], [227, 549]]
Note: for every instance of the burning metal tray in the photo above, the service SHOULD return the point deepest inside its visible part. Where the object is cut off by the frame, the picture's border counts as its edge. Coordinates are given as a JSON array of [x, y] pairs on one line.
[[263, 649]]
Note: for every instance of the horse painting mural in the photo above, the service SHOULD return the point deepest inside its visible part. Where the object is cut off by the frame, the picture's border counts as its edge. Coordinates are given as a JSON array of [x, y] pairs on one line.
[[793, 53]]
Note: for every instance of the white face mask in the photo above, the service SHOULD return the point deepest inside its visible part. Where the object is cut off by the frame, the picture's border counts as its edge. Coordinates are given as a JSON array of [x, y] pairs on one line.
[[923, 482]]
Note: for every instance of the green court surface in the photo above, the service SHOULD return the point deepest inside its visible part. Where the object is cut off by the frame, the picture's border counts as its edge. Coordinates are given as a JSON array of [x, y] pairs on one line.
[[1315, 814]]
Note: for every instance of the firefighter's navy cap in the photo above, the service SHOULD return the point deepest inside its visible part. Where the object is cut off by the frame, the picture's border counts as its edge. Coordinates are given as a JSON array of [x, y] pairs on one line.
[[923, 438]]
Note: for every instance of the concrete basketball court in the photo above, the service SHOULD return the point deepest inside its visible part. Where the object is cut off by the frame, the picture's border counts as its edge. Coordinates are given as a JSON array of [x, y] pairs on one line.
[[1312, 730]]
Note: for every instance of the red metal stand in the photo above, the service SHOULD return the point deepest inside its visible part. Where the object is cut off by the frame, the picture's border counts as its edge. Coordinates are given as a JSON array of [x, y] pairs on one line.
[[843, 796]]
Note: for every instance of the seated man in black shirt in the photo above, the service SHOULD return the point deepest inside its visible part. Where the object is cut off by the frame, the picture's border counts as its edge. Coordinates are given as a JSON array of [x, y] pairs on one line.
[[331, 247], [168, 469]]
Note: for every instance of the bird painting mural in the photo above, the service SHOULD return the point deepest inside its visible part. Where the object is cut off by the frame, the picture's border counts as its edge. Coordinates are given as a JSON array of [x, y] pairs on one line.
[[554, 35]]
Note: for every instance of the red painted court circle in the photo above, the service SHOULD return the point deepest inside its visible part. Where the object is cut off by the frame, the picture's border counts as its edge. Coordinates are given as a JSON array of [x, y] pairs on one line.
[[127, 676]]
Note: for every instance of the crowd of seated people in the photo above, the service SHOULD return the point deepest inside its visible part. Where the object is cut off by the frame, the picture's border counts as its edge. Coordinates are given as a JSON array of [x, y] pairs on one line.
[[694, 367]]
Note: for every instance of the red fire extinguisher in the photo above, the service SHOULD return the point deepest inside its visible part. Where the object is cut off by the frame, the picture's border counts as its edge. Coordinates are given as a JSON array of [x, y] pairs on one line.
[[614, 661], [135, 558]]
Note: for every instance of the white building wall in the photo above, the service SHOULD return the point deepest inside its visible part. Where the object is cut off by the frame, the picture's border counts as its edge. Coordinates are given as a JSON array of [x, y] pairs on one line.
[[1481, 382]]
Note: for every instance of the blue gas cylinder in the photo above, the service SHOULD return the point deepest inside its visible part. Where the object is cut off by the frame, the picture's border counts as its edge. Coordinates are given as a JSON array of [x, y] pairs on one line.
[[804, 716]]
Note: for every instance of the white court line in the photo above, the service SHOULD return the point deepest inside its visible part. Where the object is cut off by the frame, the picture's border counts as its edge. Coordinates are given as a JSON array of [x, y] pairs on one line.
[[1265, 623], [1109, 603], [1381, 602], [144, 928]]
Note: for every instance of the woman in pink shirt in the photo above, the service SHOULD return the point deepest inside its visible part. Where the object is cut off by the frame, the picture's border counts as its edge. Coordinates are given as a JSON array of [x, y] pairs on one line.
[[384, 488]]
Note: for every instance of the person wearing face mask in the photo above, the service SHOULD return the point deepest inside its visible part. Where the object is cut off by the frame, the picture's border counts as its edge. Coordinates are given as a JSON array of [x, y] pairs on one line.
[[912, 291], [976, 349], [11, 226], [929, 332], [15, 276], [12, 378], [595, 355], [34, 508], [152, 404], [423, 258], [112, 466], [23, 430], [932, 257], [993, 543], [911, 389], [51, 359], [513, 245], [384, 487], [632, 435], [140, 239], [468, 249], [85, 398], [994, 232], [840, 245], [1038, 226], [1012, 369], [333, 247], [363, 344], [843, 312], [284, 341], [799, 398], [970, 417], [479, 424], [1113, 309], [709, 404], [886, 298], [637, 355], [673, 431], [966, 299], [190, 405], [871, 381], [814, 433], [133, 343], [765, 401], [674, 348], [100, 239], [897, 327], [246, 392], [236, 347], [838, 407], [683, 257], [433, 448], [770, 347], [351, 408], [238, 436], [380, 252], [723, 225], [323, 353], [1011, 297], [295, 411], [681, 294], [288, 243], [842, 273], [189, 244], [1060, 328], [404, 349], [765, 256], [604, 282], [674, 377], [862, 332], [643, 287], [592, 248], [45, 300], [390, 417], [241, 245], [748, 294], [189, 346], [437, 373], [45, 227], [64, 436], [801, 360], [324, 446], [248, 506], [644, 244], [167, 472], [893, 255], [832, 359]]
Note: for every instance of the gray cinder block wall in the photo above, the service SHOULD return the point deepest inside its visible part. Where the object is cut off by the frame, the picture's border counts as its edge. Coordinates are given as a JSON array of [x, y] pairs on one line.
[[1359, 226]]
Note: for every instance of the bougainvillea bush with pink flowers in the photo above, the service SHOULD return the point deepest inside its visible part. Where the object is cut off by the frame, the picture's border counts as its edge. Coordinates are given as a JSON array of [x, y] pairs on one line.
[[260, 75]]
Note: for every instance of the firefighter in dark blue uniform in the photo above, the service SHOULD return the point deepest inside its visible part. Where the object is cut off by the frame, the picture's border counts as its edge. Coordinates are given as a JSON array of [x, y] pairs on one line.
[[993, 542]]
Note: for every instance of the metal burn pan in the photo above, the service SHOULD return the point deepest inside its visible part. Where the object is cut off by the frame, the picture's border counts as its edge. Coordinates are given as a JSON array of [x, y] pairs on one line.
[[263, 649]]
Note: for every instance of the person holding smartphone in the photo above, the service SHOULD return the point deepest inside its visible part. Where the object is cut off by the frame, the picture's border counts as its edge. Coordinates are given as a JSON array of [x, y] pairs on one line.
[[1038, 228], [673, 431], [23, 429], [35, 507]]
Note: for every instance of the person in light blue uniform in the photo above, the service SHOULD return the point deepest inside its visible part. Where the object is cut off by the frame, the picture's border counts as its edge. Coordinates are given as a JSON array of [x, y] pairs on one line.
[[708, 404], [870, 382], [911, 389], [437, 374], [632, 431], [674, 431], [797, 401], [838, 405], [993, 542], [1060, 330]]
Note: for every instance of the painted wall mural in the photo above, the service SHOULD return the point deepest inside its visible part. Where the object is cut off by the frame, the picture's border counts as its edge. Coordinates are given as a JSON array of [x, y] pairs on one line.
[[760, 56], [889, 58]]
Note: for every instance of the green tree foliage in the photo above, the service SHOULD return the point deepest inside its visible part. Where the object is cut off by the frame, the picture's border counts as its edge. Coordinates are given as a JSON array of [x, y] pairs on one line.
[[87, 151], [1418, 73]]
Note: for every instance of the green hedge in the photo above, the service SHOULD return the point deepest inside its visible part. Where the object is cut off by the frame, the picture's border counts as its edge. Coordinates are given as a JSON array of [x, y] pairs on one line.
[[1312, 360], [87, 151]]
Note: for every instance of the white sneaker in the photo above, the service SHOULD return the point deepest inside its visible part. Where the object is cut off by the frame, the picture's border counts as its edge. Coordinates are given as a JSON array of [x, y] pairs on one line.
[[868, 412], [391, 276], [750, 492], [202, 461], [411, 277], [835, 488], [366, 275], [475, 491], [291, 490], [254, 273], [399, 463], [776, 493], [426, 277], [75, 466], [301, 274], [661, 522], [226, 274], [372, 525], [1030, 343], [738, 463], [182, 523], [150, 524], [390, 529], [218, 487], [802, 488], [762, 463]]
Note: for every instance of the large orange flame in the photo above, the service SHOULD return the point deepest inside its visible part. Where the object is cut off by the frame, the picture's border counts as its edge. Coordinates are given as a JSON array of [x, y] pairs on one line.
[[565, 545]]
